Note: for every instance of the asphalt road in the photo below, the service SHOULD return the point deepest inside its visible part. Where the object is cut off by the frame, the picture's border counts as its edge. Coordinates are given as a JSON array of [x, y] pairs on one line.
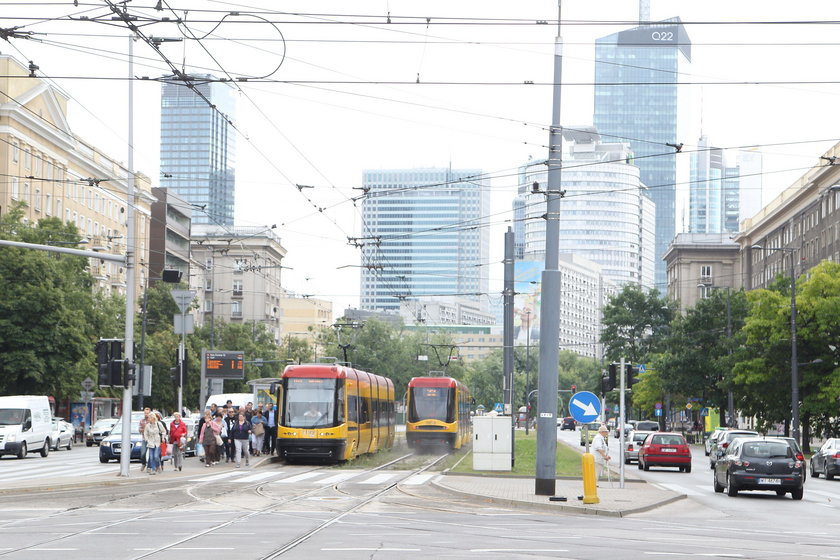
[[308, 512]]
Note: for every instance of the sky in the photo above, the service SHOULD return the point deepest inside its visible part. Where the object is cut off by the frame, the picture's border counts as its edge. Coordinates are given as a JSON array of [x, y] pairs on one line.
[[335, 89]]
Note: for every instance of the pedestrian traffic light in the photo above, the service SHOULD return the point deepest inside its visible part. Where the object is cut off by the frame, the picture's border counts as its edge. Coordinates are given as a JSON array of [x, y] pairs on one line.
[[574, 389], [611, 376], [176, 378], [116, 363], [632, 374], [109, 363]]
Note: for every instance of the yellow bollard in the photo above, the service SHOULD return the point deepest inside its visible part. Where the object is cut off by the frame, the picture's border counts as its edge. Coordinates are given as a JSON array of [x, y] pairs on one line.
[[590, 491]]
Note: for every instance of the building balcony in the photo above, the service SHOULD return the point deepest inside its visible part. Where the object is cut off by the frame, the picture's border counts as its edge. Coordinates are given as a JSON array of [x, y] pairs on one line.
[[236, 315]]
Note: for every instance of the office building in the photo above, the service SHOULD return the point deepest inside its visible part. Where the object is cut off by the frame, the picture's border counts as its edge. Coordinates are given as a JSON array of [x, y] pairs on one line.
[[714, 191], [169, 235], [606, 216], [638, 101], [424, 235], [197, 146]]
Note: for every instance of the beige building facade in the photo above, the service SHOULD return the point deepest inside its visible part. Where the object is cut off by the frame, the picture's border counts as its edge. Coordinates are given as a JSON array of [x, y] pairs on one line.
[[55, 174], [698, 263]]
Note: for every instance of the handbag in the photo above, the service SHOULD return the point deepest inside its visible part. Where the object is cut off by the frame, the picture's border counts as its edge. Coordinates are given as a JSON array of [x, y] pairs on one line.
[[258, 429], [163, 449], [219, 440]]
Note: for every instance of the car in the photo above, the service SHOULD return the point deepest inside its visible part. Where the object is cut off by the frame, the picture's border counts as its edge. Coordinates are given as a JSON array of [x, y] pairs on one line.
[[759, 464], [723, 441], [826, 461], [665, 449], [592, 428], [62, 434], [634, 442], [100, 429], [710, 441], [111, 447], [647, 426], [568, 423], [627, 429]]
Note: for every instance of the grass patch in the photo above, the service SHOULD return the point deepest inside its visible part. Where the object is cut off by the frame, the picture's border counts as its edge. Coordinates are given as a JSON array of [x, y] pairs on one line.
[[525, 455]]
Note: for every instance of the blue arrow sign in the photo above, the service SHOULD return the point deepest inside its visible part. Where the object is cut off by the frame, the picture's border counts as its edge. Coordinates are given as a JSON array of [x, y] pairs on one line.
[[584, 406]]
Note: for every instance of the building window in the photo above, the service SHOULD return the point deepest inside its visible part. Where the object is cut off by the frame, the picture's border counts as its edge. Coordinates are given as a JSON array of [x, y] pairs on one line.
[[237, 287], [26, 193], [27, 158], [236, 309], [36, 201], [706, 274], [48, 204], [15, 152], [15, 188]]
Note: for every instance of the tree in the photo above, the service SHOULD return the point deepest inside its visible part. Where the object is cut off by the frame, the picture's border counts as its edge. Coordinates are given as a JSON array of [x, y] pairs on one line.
[[635, 324], [47, 311]]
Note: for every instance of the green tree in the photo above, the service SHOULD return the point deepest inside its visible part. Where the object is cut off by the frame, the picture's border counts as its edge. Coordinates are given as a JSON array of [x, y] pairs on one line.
[[635, 324]]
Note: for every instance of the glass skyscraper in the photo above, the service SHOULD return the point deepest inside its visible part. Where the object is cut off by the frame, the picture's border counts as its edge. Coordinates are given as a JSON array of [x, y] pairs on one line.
[[423, 235], [638, 100], [197, 147]]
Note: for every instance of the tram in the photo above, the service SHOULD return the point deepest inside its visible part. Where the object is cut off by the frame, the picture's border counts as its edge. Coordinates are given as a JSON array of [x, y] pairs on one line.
[[437, 412], [332, 412]]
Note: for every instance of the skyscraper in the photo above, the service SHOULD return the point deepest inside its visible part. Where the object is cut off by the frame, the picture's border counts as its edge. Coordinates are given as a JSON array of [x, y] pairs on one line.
[[197, 146], [638, 100], [423, 236]]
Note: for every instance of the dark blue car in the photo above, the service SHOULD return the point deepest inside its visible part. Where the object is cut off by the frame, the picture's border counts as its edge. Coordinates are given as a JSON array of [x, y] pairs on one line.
[[110, 449]]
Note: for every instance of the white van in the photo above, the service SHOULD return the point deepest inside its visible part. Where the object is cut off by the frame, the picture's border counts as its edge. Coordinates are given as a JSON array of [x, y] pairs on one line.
[[25, 425], [238, 399]]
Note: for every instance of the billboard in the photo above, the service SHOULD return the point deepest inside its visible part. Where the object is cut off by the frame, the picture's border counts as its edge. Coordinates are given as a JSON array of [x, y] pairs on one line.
[[527, 282]]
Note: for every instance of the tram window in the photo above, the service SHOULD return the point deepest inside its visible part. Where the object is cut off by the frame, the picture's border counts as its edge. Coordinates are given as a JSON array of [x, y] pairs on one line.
[[309, 403], [365, 411], [353, 409], [431, 403]]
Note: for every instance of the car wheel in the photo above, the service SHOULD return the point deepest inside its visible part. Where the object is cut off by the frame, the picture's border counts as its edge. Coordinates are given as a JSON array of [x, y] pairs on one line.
[[688, 468], [814, 473], [640, 465], [797, 494], [22, 453], [69, 444], [103, 460], [46, 449], [829, 476], [647, 467], [718, 488], [680, 469], [89, 443], [731, 489]]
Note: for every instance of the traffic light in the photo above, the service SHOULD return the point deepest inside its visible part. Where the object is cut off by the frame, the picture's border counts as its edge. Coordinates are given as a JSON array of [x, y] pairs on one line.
[[109, 363], [176, 379], [116, 364], [605, 385], [611, 377], [632, 373], [103, 368], [574, 389]]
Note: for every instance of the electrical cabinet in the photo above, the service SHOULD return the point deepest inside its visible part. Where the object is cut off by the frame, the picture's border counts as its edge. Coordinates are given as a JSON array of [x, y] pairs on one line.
[[492, 443]]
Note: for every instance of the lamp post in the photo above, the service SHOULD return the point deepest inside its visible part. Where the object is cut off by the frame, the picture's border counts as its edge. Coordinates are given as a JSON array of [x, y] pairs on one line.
[[794, 371], [528, 372]]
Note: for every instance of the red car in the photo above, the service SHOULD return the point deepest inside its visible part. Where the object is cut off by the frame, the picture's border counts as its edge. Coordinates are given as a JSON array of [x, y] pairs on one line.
[[665, 449]]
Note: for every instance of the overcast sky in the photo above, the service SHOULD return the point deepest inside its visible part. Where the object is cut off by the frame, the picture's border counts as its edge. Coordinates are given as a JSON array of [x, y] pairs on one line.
[[347, 91]]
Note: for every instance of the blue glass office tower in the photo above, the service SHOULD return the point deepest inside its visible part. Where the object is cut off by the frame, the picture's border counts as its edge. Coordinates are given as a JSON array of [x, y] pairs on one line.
[[423, 236], [197, 147], [638, 100]]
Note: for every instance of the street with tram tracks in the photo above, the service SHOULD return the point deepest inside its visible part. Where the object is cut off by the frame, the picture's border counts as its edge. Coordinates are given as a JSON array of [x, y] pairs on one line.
[[274, 510]]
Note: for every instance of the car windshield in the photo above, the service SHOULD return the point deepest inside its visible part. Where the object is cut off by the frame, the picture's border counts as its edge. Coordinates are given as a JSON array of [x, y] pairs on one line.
[[766, 449], [99, 424], [11, 416], [639, 436], [135, 428]]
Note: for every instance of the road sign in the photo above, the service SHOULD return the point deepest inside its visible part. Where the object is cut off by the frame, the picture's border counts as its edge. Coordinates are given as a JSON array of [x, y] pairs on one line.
[[688, 406], [657, 406], [87, 384], [704, 411], [658, 412], [642, 368], [499, 407], [584, 406], [87, 395], [183, 298]]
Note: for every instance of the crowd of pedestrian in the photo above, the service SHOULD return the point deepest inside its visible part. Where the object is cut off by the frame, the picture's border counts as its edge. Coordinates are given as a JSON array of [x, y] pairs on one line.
[[223, 433]]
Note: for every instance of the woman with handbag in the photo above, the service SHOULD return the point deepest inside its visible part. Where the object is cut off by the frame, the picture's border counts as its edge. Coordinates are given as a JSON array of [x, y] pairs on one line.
[[177, 440], [207, 437], [154, 433], [258, 431], [240, 433]]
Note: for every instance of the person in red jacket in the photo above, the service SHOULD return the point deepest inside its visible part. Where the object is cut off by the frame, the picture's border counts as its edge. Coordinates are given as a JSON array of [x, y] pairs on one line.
[[178, 440]]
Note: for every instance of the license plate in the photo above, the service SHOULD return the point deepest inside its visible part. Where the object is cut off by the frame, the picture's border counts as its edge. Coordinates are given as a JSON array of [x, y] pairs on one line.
[[308, 433], [669, 450], [769, 480]]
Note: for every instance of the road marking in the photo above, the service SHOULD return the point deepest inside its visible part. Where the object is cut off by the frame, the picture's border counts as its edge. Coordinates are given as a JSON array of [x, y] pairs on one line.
[[256, 477], [215, 477], [339, 477], [297, 478], [362, 549], [420, 479], [679, 489], [483, 550], [378, 479]]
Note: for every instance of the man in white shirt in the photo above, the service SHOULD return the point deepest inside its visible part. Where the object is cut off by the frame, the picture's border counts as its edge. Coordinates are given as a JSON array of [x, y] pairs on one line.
[[601, 451]]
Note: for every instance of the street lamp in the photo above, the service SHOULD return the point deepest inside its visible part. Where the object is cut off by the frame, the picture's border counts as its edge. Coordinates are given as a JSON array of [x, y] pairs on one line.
[[794, 371], [730, 399], [528, 372]]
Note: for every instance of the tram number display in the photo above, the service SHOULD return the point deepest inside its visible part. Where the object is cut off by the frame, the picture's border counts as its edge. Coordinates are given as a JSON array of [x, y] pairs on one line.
[[431, 392], [226, 365]]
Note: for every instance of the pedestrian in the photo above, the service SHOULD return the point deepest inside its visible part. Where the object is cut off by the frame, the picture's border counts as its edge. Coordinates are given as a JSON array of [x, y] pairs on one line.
[[229, 421], [257, 432], [177, 440], [601, 451], [271, 427], [143, 421], [241, 433], [154, 433], [207, 437]]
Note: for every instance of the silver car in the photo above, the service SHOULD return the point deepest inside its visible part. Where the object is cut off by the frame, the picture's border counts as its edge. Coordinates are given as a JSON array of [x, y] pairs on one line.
[[62, 434], [632, 445]]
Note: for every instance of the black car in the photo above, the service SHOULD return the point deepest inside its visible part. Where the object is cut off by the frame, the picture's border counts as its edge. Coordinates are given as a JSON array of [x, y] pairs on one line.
[[827, 460], [568, 423], [759, 464]]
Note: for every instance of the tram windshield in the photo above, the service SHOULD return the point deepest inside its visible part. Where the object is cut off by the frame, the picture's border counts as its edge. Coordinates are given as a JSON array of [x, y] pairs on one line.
[[310, 402], [431, 403]]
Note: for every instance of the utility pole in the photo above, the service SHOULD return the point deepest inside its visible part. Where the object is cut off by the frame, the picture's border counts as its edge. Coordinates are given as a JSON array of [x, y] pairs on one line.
[[507, 352], [546, 467]]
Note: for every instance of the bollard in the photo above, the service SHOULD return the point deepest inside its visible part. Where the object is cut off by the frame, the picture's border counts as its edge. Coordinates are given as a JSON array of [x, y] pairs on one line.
[[590, 491]]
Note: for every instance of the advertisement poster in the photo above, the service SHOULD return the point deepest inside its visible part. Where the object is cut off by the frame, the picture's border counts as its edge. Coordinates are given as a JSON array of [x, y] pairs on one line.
[[526, 302]]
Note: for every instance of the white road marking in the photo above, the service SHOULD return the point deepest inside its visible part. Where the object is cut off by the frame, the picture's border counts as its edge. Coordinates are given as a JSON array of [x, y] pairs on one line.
[[256, 477], [420, 479], [378, 479], [215, 477], [362, 549], [335, 479], [297, 478]]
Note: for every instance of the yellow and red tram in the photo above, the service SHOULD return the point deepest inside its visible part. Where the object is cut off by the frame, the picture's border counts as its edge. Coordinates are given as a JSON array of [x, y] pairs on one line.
[[333, 412], [437, 412]]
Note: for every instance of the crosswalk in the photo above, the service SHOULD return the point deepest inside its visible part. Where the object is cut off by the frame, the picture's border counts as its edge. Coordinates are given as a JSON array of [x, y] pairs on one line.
[[813, 491], [316, 478]]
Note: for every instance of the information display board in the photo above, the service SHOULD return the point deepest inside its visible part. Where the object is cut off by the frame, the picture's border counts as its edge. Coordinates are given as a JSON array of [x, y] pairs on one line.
[[224, 365]]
